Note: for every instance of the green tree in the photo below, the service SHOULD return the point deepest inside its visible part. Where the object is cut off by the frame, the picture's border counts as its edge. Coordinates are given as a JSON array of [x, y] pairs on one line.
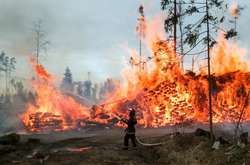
[[41, 43], [2, 57], [198, 36], [87, 88], [11, 68], [67, 82], [7, 65], [192, 18], [6, 62]]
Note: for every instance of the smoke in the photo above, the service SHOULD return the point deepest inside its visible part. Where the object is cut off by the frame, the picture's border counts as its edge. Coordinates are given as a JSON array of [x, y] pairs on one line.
[[10, 114], [73, 28], [81, 33]]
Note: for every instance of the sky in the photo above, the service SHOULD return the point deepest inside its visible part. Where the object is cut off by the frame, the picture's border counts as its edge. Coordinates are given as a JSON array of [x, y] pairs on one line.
[[85, 35]]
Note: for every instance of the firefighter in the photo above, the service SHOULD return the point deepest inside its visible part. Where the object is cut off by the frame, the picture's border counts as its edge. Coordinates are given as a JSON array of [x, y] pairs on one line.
[[130, 130]]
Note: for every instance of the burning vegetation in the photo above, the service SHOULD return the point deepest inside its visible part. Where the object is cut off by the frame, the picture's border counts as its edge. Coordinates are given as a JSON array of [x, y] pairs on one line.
[[156, 93], [158, 88], [162, 95], [52, 109]]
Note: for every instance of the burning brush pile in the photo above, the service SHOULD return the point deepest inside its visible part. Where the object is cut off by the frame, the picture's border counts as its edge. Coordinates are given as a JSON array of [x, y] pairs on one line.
[[52, 109], [162, 95]]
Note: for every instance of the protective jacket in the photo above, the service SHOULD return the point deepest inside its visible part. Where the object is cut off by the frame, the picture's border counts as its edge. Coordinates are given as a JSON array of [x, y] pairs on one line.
[[130, 126]]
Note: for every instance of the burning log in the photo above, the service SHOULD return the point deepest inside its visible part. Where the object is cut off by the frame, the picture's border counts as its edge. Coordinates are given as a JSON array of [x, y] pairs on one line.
[[45, 121], [171, 97], [103, 116]]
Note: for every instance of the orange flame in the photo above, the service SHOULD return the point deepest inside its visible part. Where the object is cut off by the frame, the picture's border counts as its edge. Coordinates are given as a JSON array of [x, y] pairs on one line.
[[51, 107], [228, 57], [161, 95]]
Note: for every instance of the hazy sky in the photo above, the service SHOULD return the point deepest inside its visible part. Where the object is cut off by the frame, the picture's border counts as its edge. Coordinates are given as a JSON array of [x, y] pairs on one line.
[[86, 35]]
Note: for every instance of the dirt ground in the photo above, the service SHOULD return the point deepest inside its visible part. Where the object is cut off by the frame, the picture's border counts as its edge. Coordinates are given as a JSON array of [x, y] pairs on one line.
[[104, 147]]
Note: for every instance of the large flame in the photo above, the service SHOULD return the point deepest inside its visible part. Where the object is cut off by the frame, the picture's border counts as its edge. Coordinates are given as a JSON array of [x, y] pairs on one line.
[[166, 95], [162, 94], [228, 57], [51, 107]]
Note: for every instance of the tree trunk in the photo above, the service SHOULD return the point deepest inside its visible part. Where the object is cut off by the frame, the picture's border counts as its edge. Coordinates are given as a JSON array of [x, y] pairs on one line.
[[175, 25], [209, 77]]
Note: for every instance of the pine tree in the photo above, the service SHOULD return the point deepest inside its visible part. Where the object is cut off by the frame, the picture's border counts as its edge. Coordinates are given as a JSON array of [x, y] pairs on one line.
[[41, 43], [198, 36], [67, 76], [2, 67], [192, 17], [67, 83], [79, 88], [87, 89], [94, 92]]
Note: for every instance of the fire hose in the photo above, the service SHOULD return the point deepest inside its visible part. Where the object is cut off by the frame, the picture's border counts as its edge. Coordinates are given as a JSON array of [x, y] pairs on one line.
[[142, 143], [147, 144], [137, 139]]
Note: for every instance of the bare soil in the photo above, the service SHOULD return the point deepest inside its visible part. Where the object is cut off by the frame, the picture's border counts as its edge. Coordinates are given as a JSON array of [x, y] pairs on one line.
[[104, 147]]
